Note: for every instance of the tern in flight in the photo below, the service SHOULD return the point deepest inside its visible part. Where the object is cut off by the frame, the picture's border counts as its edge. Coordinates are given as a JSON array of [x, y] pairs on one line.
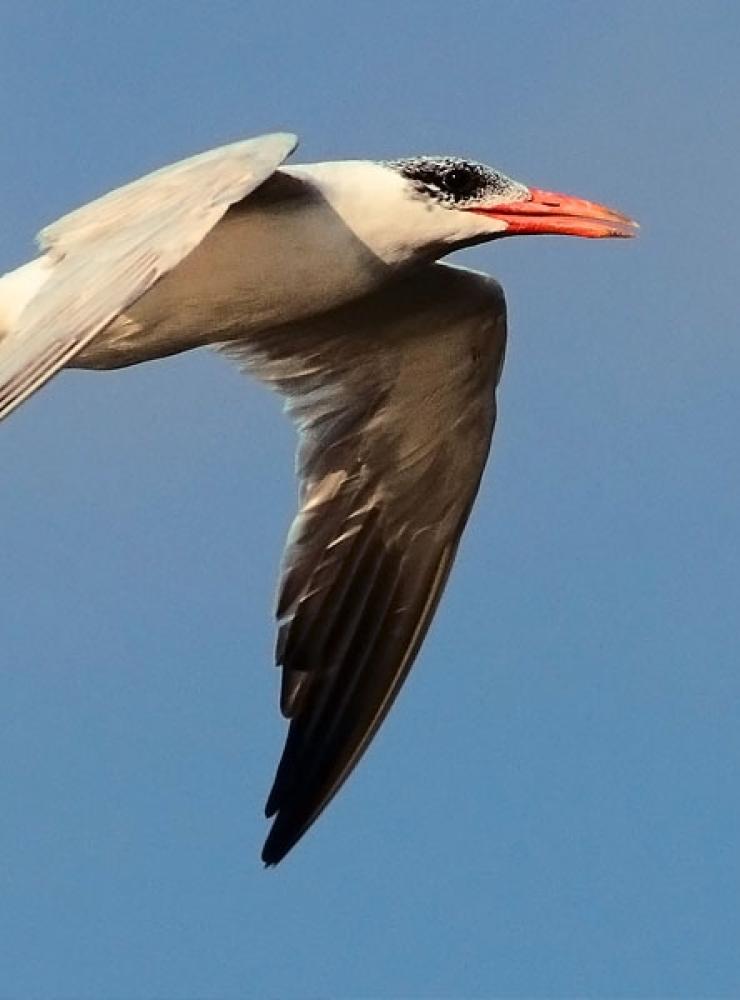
[[322, 280]]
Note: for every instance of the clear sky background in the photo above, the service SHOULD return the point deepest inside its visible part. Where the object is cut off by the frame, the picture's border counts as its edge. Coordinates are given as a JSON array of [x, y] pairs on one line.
[[553, 807]]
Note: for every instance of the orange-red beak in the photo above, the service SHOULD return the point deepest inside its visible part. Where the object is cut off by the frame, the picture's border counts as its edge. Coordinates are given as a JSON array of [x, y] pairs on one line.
[[546, 212]]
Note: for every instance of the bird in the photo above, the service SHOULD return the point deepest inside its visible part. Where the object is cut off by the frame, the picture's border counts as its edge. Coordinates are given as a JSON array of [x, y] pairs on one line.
[[325, 281]]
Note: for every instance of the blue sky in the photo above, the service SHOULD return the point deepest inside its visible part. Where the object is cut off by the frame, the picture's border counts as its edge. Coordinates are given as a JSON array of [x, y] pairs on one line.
[[553, 807]]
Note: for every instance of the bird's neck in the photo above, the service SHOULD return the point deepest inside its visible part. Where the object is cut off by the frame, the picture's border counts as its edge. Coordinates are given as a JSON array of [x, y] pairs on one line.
[[372, 202]]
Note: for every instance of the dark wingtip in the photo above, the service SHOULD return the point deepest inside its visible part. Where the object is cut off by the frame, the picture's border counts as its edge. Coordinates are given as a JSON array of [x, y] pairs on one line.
[[279, 842]]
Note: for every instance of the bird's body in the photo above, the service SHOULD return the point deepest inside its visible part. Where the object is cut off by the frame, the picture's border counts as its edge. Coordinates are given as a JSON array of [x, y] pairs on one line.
[[320, 280], [308, 261]]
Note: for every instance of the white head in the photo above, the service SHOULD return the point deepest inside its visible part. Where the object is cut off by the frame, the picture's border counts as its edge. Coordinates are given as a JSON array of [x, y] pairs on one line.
[[425, 207]]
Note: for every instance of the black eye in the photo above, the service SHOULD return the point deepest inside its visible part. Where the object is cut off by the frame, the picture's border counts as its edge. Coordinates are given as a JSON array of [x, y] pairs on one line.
[[460, 182]]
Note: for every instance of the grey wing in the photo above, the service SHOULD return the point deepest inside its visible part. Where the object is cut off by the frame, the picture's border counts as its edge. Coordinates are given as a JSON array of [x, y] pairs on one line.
[[394, 400], [107, 254]]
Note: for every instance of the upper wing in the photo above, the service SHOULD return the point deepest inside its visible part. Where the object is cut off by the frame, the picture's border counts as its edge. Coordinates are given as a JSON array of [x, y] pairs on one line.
[[394, 400], [108, 253]]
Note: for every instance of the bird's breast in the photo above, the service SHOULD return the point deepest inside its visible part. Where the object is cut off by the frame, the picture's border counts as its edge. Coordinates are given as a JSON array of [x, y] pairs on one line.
[[271, 260]]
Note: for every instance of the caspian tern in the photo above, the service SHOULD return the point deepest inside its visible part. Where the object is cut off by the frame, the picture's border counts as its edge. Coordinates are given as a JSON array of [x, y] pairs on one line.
[[322, 281]]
